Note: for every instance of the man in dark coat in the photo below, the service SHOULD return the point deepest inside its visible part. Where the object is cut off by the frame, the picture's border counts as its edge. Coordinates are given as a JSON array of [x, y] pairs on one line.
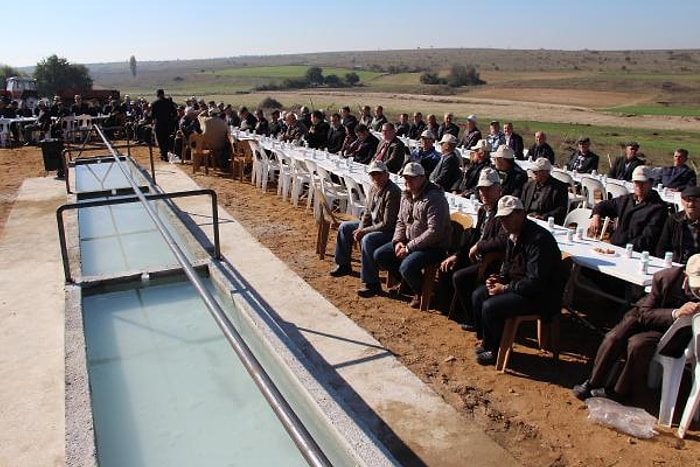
[[447, 127], [678, 176], [513, 178], [164, 115], [623, 166], [417, 127], [541, 148], [583, 160], [448, 169], [545, 196], [513, 140], [391, 150], [317, 136], [487, 236], [479, 159], [681, 232], [640, 215], [530, 279], [472, 134], [674, 294], [336, 135], [364, 147]]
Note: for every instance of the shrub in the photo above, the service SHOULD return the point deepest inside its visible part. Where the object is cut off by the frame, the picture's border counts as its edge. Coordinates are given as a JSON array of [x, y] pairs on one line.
[[270, 103]]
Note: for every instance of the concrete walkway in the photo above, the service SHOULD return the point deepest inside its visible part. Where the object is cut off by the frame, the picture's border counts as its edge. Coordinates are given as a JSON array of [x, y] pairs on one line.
[[381, 390]]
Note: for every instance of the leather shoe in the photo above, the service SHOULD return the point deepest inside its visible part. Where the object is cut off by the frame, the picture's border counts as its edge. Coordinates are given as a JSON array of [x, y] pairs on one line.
[[468, 327], [582, 391], [415, 301], [340, 271], [486, 358], [369, 290], [479, 349]]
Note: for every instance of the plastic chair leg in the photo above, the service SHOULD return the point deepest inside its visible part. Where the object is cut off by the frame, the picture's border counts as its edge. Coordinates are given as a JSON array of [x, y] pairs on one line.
[[691, 407], [673, 373]]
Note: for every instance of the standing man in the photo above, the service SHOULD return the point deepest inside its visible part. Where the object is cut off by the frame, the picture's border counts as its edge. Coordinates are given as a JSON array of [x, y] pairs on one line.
[[448, 169], [391, 150], [375, 228], [678, 176], [422, 233], [530, 279], [513, 140], [164, 116], [545, 196], [472, 135], [623, 166], [541, 148], [583, 160], [674, 294]]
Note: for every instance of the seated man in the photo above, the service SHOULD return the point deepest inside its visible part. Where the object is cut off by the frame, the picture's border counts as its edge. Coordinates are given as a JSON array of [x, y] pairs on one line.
[[681, 232], [541, 148], [487, 236], [449, 168], [678, 176], [479, 159], [472, 134], [545, 196], [336, 135], [391, 150], [347, 118], [363, 148], [402, 126], [583, 160], [379, 118], [432, 124], [425, 154], [295, 131], [275, 126], [216, 135], [495, 138], [447, 127], [262, 126], [640, 215], [623, 166], [513, 140], [375, 228], [527, 281], [422, 233], [317, 136], [513, 178], [417, 127], [674, 293]]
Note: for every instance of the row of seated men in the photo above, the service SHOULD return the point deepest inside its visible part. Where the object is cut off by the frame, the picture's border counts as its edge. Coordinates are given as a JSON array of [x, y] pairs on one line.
[[403, 232]]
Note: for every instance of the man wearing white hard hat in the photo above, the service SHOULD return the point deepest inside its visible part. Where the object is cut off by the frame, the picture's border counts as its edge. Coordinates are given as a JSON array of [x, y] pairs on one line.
[[422, 233], [675, 294], [472, 134], [449, 168], [640, 215], [487, 236], [531, 278], [479, 160], [545, 196]]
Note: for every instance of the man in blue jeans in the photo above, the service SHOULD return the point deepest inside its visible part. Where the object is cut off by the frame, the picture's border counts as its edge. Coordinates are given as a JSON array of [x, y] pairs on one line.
[[422, 233], [374, 229]]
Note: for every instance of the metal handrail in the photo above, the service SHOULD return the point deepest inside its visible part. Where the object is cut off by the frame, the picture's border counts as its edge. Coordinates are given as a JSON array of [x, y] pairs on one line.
[[307, 446]]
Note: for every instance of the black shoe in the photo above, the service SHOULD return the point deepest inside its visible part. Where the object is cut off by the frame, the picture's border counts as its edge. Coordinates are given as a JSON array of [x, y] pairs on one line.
[[583, 391], [340, 271], [369, 290], [486, 358], [468, 327], [479, 349]]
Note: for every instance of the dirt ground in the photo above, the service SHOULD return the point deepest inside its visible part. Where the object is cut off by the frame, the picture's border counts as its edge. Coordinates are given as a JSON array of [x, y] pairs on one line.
[[529, 410]]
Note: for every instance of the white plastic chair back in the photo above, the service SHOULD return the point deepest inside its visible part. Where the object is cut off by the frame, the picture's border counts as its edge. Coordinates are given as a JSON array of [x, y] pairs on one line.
[[589, 187], [284, 166], [615, 189], [671, 371], [356, 196], [691, 407], [578, 216]]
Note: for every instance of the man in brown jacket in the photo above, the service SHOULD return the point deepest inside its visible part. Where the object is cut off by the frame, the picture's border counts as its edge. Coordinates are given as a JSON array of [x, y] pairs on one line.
[[391, 150], [674, 293], [375, 228]]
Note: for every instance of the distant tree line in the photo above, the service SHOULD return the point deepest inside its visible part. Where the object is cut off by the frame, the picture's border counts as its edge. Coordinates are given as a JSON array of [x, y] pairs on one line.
[[314, 78], [459, 75]]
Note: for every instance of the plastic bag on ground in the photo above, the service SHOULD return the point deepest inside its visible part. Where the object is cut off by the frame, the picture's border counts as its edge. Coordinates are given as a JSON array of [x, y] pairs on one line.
[[631, 420]]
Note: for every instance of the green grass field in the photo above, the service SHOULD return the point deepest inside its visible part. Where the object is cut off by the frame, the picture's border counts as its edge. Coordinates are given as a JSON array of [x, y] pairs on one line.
[[658, 109]]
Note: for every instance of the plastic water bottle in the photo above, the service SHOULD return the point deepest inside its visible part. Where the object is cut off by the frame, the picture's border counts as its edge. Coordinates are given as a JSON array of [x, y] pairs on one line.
[[629, 249], [668, 259], [550, 223]]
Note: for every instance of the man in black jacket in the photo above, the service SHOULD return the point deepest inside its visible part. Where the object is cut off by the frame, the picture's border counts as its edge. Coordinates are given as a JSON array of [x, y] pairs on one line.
[[530, 279], [447, 171], [447, 127], [623, 166], [513, 178], [681, 232], [583, 160], [364, 147], [317, 136], [513, 140], [165, 121], [541, 148], [545, 196], [472, 134], [487, 236], [640, 215], [479, 159], [336, 135]]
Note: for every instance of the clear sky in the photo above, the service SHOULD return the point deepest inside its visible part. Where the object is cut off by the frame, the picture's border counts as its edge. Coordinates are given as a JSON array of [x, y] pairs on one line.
[[110, 31]]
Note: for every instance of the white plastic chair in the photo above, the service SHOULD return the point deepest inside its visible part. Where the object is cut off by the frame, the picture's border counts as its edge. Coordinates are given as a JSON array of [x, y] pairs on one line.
[[589, 186], [671, 371], [356, 196], [578, 216], [302, 177], [691, 406], [615, 189], [334, 192], [284, 180], [574, 198], [259, 163]]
